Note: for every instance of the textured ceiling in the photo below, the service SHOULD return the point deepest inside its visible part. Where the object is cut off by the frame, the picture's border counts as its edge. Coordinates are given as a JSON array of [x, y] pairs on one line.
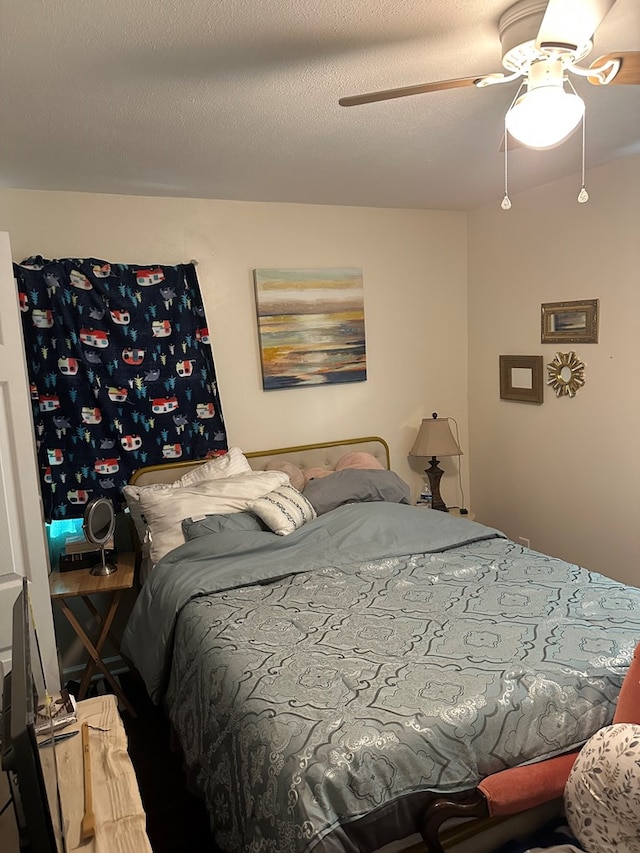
[[238, 99]]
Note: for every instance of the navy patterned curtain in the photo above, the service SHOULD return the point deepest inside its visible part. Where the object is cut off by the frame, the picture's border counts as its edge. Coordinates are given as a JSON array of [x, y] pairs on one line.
[[121, 374]]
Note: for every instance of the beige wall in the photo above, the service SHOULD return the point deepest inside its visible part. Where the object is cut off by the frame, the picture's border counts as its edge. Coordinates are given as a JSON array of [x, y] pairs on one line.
[[415, 284], [566, 474]]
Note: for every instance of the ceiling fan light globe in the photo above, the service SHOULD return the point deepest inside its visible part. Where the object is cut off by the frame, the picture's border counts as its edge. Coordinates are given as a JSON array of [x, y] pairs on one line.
[[544, 117]]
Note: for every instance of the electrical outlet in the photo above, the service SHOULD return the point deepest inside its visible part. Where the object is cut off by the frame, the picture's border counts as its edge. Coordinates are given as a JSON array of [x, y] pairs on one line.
[[524, 541]]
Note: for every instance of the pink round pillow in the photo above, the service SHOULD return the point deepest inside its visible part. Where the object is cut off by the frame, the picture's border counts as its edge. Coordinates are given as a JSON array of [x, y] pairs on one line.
[[295, 475], [358, 459], [315, 473]]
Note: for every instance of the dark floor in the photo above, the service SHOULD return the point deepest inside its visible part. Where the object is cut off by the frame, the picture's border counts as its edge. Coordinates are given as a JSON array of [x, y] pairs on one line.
[[177, 821]]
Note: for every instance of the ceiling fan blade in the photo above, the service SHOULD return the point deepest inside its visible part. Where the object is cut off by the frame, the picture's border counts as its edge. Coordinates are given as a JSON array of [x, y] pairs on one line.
[[629, 68], [571, 22], [405, 91]]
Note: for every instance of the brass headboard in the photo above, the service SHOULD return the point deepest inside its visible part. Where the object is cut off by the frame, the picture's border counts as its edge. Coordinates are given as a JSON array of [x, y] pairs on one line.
[[322, 455]]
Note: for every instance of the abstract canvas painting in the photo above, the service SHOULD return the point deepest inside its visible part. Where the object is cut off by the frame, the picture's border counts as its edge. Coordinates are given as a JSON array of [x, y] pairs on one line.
[[311, 326]]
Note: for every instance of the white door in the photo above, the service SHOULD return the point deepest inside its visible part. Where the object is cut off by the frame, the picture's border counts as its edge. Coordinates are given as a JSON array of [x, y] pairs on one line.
[[23, 547]]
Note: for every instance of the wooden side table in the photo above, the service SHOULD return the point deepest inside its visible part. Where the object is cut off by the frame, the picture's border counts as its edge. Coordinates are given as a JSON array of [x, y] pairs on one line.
[[80, 583], [455, 510]]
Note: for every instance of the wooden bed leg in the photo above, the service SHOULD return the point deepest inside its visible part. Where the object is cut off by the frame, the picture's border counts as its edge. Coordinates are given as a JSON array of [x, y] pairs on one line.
[[472, 804]]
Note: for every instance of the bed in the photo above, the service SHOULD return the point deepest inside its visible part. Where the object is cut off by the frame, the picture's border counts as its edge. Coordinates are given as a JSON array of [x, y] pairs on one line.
[[329, 684]]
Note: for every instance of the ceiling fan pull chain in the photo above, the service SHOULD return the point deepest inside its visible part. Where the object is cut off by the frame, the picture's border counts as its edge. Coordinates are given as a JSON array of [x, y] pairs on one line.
[[583, 195], [506, 201]]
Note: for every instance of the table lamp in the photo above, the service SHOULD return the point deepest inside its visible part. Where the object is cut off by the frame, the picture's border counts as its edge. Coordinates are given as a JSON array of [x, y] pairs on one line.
[[435, 439]]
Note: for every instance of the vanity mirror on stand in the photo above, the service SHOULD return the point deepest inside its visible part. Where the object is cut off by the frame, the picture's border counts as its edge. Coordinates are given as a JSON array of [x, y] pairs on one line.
[[99, 524]]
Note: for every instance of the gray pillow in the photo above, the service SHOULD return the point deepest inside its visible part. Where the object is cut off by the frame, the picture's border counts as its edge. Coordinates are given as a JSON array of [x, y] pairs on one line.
[[356, 485], [221, 523]]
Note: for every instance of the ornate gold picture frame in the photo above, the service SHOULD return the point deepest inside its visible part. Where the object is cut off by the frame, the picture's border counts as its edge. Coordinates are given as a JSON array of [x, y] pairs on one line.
[[570, 322], [521, 378], [565, 374]]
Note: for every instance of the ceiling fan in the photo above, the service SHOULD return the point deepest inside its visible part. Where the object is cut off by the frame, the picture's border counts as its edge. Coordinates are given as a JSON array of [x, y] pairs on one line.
[[542, 42]]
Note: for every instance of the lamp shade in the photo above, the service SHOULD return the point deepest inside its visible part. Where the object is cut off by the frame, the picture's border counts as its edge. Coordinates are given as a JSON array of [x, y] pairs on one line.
[[544, 117], [435, 439]]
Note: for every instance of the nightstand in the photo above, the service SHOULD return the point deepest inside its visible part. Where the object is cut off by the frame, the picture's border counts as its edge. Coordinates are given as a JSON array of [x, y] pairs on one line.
[[455, 511], [80, 583]]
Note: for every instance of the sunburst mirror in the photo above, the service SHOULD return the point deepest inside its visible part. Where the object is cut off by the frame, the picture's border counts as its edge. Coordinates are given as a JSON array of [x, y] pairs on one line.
[[566, 374]]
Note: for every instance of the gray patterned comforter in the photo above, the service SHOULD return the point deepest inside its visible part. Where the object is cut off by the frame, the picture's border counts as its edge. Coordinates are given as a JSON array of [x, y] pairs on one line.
[[388, 650]]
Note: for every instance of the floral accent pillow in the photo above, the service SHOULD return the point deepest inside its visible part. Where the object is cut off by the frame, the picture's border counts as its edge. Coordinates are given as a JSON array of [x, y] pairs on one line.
[[602, 794]]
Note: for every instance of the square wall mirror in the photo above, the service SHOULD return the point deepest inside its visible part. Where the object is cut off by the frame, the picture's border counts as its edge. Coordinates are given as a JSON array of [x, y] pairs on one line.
[[521, 378]]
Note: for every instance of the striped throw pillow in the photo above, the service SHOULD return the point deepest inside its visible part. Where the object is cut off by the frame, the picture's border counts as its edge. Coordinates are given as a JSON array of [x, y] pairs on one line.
[[284, 509]]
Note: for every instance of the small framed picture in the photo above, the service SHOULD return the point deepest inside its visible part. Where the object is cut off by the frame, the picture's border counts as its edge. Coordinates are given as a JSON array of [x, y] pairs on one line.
[[570, 322], [521, 378]]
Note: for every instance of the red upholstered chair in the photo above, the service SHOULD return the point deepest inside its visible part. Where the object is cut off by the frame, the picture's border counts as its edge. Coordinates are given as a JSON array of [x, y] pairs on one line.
[[518, 789], [628, 707]]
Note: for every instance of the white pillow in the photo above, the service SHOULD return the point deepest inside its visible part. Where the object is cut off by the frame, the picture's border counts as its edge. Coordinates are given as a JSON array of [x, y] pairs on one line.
[[284, 509], [164, 509], [230, 464]]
